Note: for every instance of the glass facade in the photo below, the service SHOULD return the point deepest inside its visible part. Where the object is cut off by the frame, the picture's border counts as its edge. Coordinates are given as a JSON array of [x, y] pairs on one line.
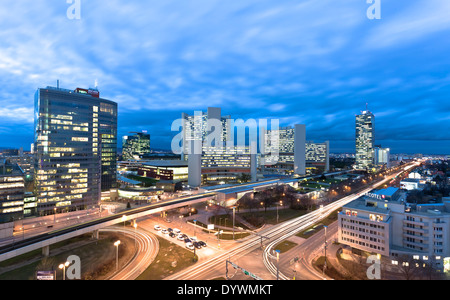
[[75, 149], [12, 191], [135, 146], [365, 139]]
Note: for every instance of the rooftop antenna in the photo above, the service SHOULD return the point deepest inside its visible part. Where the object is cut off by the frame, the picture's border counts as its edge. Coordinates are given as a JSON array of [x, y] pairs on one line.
[[57, 83]]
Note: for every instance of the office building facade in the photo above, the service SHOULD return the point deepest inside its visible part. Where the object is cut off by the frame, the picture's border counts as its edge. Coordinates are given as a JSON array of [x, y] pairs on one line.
[[382, 222], [75, 149], [135, 146], [195, 128], [12, 192], [365, 138]]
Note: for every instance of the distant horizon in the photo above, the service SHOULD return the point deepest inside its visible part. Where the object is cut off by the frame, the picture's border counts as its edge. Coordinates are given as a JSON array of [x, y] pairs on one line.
[[168, 150]]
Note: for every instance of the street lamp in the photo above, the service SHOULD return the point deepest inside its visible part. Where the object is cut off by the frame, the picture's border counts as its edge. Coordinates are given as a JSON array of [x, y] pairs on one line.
[[278, 262], [63, 267], [218, 233], [234, 215], [117, 254], [281, 203], [325, 264], [135, 226]]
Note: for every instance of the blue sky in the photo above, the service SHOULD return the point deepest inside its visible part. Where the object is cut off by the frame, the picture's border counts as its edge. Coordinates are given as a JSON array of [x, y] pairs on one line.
[[315, 62]]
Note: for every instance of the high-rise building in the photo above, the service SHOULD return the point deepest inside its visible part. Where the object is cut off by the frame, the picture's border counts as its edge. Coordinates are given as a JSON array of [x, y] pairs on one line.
[[316, 154], [382, 156], [12, 191], [75, 149], [196, 128], [135, 146], [365, 138]]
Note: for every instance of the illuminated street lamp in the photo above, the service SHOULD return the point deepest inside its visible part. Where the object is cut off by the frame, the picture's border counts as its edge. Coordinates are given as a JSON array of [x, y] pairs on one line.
[[117, 254], [278, 262], [63, 267], [135, 226]]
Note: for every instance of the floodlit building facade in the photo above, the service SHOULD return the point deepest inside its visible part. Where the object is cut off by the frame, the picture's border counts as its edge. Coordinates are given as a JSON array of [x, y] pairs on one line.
[[75, 149]]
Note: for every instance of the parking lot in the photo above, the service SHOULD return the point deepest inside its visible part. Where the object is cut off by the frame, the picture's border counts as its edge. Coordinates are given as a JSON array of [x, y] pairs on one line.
[[175, 235]]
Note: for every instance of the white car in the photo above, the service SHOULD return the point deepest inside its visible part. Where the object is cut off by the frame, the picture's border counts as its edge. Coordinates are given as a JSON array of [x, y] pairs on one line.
[[176, 231], [190, 246], [164, 231], [180, 237], [157, 228]]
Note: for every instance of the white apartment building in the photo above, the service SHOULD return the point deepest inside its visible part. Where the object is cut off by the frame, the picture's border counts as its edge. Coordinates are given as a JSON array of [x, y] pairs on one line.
[[382, 222]]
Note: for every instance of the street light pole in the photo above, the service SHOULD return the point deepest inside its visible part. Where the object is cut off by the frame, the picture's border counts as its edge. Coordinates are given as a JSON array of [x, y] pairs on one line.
[[117, 254], [63, 267], [234, 215], [278, 263], [135, 226], [325, 264]]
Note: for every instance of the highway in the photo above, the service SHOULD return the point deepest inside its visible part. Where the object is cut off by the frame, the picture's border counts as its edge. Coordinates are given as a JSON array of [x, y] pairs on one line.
[[276, 234], [293, 227], [33, 242], [107, 221]]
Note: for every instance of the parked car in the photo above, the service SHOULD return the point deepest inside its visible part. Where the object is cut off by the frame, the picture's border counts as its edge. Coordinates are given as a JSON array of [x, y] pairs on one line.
[[180, 237], [172, 235], [164, 231], [157, 228], [197, 245], [190, 246], [202, 243], [176, 231], [187, 241]]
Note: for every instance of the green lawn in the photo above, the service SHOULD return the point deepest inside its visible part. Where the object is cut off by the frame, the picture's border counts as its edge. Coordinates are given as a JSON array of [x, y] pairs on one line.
[[259, 218], [97, 258], [319, 226], [170, 259], [285, 246]]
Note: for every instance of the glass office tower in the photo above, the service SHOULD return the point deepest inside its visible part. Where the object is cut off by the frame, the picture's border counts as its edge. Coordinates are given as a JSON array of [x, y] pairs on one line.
[[365, 139], [135, 146], [75, 149]]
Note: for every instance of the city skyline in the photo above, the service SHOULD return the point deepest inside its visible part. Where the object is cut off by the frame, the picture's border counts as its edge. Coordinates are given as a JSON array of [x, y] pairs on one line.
[[295, 61]]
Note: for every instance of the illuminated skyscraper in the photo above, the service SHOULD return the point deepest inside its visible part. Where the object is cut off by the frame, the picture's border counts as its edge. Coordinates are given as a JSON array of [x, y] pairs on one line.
[[135, 146], [75, 149], [196, 128], [365, 139]]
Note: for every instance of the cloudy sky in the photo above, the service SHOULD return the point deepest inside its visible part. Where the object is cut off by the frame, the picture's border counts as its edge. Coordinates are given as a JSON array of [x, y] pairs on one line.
[[314, 62]]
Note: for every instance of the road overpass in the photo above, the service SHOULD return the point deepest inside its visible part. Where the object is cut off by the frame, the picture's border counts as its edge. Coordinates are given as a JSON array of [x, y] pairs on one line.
[[43, 241], [233, 192]]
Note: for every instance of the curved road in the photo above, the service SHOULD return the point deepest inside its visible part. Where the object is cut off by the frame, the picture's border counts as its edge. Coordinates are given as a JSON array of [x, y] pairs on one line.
[[147, 247]]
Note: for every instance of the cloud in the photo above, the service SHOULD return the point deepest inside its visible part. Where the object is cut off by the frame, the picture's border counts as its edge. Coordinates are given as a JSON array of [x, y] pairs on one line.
[[312, 62]]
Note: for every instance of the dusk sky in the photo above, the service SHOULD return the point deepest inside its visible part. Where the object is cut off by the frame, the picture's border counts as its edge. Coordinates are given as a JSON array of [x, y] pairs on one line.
[[315, 62]]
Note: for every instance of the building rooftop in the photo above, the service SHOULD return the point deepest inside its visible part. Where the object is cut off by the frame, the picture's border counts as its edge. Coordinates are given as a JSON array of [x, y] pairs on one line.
[[166, 163]]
